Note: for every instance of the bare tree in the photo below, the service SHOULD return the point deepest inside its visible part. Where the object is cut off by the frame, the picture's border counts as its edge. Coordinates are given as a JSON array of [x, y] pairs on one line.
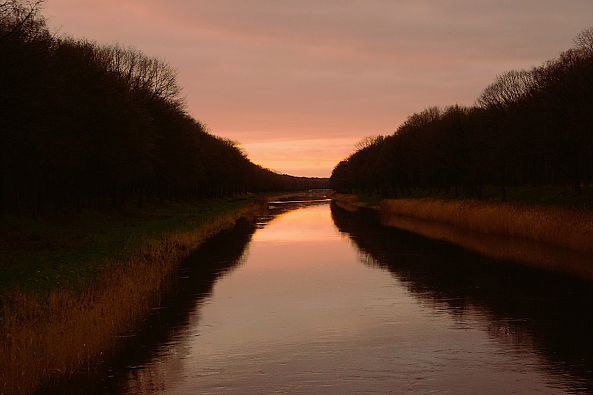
[[421, 119], [508, 89], [142, 73], [584, 41], [368, 142], [21, 17]]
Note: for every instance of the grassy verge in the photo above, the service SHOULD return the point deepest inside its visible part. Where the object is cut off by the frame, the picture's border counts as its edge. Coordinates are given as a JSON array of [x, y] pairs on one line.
[[552, 237], [560, 225], [554, 196], [74, 284], [68, 250], [349, 202]]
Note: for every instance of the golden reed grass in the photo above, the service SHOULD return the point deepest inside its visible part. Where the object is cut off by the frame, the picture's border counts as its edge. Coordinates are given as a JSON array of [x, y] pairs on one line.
[[550, 225], [347, 202], [41, 340], [530, 252], [552, 238]]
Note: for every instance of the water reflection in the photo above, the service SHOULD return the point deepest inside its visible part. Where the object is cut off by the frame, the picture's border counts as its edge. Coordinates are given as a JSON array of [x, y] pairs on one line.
[[163, 337], [305, 299], [164, 332], [539, 255], [527, 309]]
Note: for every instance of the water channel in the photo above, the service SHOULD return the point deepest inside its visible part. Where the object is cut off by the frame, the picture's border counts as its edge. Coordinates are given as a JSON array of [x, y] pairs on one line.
[[312, 299]]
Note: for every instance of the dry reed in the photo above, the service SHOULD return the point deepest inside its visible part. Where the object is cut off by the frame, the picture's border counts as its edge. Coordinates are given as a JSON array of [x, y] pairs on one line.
[[347, 202], [500, 247], [551, 225], [42, 340]]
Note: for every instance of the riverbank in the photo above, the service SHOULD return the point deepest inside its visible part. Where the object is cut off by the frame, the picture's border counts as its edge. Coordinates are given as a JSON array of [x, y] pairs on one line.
[[73, 285], [556, 238]]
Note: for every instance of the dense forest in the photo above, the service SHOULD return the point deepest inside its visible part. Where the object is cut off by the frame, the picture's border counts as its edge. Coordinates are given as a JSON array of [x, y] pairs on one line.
[[529, 128], [87, 125]]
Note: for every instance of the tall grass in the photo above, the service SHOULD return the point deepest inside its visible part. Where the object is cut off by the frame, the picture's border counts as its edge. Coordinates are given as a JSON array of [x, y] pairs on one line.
[[557, 226], [505, 248], [59, 332], [551, 237], [347, 202]]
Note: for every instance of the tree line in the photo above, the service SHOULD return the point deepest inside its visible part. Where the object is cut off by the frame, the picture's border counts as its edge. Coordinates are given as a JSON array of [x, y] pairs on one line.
[[528, 128], [86, 125]]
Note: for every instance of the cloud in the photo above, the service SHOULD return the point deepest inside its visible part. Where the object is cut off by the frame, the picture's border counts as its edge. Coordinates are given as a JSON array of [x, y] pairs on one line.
[[306, 70]]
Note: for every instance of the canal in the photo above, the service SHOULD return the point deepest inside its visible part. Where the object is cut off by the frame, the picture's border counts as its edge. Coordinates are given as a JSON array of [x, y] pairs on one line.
[[312, 299]]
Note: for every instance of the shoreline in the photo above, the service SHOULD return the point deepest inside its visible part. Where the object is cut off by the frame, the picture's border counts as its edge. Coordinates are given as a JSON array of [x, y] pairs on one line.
[[50, 335], [550, 238]]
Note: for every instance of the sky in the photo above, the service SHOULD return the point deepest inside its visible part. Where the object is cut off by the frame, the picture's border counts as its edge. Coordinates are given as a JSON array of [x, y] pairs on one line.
[[299, 83]]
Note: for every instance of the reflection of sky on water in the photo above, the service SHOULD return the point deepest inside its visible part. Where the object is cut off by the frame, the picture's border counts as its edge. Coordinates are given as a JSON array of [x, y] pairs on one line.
[[303, 313], [311, 225]]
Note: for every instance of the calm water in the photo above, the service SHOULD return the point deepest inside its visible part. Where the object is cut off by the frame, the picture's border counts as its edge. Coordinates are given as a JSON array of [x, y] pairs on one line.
[[311, 299]]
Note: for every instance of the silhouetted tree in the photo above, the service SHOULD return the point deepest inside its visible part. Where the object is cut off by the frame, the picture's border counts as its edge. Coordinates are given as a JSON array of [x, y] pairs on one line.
[[531, 127], [87, 125]]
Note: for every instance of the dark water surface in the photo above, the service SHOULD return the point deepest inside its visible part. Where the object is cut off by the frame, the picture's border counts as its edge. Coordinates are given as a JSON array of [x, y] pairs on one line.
[[312, 299]]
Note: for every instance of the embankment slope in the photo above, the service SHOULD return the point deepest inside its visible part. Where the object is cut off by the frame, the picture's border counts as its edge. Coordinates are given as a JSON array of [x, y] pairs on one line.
[[53, 334], [550, 237]]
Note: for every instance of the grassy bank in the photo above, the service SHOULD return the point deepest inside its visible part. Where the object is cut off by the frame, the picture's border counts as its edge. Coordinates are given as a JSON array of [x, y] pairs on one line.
[[557, 226], [72, 285], [554, 237]]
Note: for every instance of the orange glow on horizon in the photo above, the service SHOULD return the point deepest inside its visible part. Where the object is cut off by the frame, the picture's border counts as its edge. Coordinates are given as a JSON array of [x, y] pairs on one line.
[[303, 157], [297, 84]]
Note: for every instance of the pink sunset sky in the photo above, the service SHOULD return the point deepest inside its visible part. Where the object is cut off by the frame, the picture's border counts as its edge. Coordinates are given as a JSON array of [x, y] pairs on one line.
[[298, 83]]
